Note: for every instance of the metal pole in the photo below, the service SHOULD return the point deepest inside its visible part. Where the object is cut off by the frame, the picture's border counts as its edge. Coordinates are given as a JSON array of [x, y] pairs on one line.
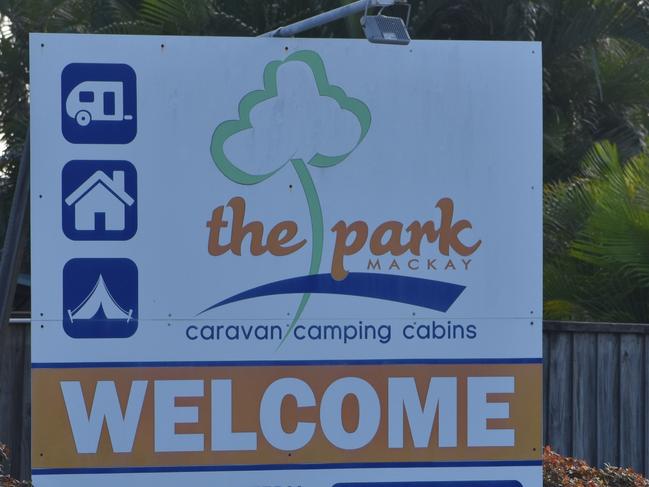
[[320, 19], [15, 238], [20, 321]]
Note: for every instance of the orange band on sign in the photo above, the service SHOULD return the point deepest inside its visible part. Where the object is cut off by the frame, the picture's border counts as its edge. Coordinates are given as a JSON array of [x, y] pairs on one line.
[[285, 415]]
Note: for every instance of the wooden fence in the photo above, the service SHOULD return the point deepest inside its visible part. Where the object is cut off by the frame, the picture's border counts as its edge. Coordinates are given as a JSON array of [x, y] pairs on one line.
[[15, 396], [596, 392]]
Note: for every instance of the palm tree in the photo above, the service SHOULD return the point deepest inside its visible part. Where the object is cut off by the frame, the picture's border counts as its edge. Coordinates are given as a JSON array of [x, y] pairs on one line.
[[596, 231]]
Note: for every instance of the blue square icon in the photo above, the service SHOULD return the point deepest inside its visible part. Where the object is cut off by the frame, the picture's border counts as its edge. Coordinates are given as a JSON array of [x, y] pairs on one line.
[[99, 200], [98, 103], [100, 298]]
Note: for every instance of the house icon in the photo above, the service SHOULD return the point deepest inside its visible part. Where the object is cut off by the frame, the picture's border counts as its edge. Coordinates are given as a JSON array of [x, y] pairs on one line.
[[100, 202]]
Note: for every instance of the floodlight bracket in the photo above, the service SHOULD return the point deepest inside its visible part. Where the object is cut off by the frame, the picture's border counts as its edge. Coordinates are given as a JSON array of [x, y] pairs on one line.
[[342, 12], [387, 3]]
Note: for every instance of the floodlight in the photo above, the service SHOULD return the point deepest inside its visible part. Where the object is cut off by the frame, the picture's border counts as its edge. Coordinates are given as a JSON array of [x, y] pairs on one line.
[[383, 29]]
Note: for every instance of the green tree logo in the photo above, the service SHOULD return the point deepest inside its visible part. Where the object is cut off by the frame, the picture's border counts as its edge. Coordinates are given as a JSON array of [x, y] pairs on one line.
[[300, 161]]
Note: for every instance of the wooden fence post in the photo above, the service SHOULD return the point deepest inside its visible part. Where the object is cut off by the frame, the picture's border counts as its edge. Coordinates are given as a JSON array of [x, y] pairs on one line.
[[15, 355], [15, 238]]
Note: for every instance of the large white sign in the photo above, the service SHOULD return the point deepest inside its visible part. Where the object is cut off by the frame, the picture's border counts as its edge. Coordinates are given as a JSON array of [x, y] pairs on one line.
[[285, 262]]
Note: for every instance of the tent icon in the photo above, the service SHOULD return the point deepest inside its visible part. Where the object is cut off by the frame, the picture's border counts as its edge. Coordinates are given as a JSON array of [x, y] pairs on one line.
[[100, 298]]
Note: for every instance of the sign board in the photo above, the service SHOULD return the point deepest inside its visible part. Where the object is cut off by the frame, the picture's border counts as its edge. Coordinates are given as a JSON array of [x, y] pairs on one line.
[[285, 262]]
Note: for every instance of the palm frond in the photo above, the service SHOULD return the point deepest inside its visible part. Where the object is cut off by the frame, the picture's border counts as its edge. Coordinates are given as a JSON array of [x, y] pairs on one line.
[[596, 231]]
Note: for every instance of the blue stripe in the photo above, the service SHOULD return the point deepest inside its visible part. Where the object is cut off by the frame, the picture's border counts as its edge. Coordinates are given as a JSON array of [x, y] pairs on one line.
[[270, 363], [435, 295], [309, 466]]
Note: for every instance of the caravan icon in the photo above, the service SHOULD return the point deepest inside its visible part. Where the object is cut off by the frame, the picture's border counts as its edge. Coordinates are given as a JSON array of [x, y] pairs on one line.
[[100, 298], [97, 100], [98, 103]]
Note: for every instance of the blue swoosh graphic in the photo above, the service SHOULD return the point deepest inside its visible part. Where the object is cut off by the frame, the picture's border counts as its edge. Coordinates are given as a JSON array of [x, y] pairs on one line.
[[435, 295]]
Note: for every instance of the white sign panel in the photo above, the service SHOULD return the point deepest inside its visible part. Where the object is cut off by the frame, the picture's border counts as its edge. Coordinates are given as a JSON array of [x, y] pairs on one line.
[[285, 262]]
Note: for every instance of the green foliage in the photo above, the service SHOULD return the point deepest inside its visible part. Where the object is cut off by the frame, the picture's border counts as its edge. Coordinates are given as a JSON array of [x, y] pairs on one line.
[[596, 231], [559, 471]]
